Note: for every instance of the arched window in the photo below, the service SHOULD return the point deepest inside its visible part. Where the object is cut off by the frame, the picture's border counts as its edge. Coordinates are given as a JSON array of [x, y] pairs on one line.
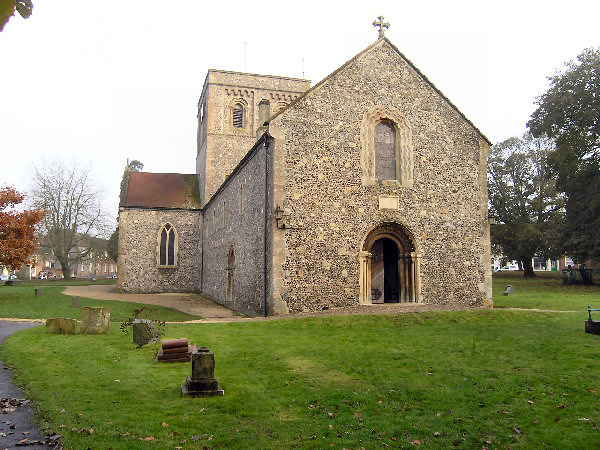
[[385, 151], [238, 115], [386, 155], [167, 248]]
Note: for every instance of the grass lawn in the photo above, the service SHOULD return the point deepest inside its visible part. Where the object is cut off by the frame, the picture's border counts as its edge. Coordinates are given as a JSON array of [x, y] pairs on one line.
[[544, 291], [467, 379], [20, 302]]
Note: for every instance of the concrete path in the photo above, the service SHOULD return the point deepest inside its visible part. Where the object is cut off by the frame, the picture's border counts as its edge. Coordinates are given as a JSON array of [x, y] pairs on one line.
[[213, 312], [16, 428], [188, 303]]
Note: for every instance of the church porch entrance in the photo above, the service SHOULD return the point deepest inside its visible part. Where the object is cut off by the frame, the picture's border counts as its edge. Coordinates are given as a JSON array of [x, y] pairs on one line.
[[389, 266]]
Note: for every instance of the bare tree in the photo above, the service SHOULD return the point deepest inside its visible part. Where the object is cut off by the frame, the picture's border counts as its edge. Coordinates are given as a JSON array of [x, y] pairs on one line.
[[75, 214]]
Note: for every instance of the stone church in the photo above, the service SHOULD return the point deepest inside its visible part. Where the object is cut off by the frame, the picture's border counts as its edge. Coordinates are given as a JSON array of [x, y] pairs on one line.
[[369, 187]]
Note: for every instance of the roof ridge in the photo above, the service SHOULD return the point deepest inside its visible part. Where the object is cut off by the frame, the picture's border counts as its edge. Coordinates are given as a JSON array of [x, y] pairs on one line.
[[408, 61]]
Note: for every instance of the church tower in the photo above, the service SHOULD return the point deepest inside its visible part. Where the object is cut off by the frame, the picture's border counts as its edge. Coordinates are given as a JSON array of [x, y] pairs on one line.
[[232, 110]]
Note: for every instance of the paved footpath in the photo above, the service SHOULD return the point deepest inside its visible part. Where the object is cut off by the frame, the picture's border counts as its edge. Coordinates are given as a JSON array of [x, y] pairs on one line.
[[16, 428]]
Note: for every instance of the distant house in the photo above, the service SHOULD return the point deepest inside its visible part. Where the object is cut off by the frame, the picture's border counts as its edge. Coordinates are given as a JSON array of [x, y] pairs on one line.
[[98, 264]]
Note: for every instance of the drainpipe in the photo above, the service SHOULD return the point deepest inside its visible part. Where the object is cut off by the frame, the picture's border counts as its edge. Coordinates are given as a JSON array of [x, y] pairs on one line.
[[202, 252], [265, 312]]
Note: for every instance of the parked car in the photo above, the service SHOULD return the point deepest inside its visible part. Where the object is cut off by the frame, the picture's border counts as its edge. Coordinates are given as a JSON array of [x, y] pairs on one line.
[[4, 278], [45, 274], [508, 268]]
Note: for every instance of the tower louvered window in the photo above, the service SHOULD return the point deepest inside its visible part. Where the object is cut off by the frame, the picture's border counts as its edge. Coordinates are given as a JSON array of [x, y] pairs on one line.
[[238, 116]]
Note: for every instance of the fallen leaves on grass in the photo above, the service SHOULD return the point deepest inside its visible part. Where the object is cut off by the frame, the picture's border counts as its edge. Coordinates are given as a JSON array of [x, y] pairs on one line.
[[416, 442], [165, 424], [147, 438]]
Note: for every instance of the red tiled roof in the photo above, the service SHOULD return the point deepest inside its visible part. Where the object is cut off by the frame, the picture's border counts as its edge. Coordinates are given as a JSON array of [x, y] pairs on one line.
[[162, 190]]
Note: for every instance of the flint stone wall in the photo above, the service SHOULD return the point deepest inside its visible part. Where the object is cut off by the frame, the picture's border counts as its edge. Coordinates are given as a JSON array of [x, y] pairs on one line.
[[234, 218], [138, 250], [318, 176]]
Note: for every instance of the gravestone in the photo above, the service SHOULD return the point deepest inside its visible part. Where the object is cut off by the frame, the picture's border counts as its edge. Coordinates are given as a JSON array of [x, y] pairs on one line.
[[509, 290], [61, 325], [202, 382], [592, 326], [76, 302], [95, 320], [144, 332], [38, 292]]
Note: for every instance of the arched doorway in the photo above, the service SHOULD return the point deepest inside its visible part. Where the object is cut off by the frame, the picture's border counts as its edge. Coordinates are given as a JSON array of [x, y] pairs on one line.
[[385, 279], [389, 266], [230, 268]]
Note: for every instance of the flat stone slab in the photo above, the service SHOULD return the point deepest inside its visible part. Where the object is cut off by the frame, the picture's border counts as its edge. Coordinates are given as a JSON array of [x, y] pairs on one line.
[[95, 320], [61, 325], [182, 355]]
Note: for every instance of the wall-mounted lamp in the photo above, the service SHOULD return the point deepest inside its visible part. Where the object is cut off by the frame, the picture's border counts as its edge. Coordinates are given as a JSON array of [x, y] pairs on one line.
[[280, 217]]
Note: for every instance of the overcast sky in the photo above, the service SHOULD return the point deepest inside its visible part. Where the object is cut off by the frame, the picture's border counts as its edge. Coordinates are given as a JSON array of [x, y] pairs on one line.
[[103, 81]]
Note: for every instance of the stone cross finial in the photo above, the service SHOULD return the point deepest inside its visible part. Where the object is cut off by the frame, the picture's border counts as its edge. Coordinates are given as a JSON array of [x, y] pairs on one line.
[[381, 24]]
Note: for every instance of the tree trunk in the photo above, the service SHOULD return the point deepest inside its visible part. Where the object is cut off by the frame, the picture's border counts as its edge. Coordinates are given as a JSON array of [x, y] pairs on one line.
[[528, 268], [66, 270]]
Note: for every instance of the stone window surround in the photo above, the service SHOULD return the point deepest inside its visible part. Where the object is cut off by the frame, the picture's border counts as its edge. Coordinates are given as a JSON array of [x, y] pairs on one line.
[[403, 144], [175, 248], [232, 104]]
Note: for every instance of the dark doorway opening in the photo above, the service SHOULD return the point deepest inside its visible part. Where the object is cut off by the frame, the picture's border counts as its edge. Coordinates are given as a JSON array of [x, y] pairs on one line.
[[385, 279]]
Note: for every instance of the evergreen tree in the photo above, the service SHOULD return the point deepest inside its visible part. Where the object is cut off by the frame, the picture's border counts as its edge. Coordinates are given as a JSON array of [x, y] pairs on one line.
[[569, 112]]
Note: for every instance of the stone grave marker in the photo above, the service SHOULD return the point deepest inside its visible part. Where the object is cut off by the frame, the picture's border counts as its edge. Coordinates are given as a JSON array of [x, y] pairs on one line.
[[144, 332], [509, 290], [61, 325], [175, 350], [592, 326], [76, 302], [95, 320], [202, 382], [38, 292]]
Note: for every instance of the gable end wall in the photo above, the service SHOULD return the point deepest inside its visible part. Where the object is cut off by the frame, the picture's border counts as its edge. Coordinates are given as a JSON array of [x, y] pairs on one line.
[[330, 210]]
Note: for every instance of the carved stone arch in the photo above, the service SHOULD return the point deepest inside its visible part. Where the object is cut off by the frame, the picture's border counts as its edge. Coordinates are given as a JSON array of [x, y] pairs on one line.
[[167, 250], [403, 145], [408, 265], [233, 104]]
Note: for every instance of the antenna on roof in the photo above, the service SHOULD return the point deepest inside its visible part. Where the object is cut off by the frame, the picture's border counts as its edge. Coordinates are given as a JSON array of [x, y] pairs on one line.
[[302, 67]]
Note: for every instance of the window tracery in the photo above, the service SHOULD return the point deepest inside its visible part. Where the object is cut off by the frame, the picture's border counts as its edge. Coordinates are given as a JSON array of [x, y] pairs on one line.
[[167, 247]]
